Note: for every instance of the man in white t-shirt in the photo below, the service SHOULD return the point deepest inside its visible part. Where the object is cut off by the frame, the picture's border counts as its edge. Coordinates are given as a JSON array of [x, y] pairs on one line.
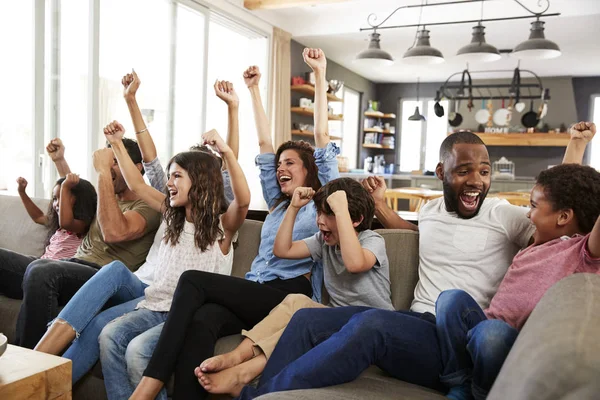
[[466, 242]]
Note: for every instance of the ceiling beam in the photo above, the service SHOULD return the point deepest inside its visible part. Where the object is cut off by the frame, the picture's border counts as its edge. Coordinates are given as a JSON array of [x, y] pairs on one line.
[[274, 4]]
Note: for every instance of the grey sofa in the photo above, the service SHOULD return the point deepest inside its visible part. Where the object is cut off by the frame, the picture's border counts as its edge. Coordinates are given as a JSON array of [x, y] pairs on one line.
[[557, 354]]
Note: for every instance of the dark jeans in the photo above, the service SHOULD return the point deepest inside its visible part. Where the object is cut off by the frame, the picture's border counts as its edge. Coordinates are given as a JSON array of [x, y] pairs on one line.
[[330, 346], [207, 307], [473, 347], [12, 270], [47, 285]]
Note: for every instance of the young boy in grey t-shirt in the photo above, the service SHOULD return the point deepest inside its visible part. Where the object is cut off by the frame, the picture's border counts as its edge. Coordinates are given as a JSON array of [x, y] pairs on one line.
[[356, 273]]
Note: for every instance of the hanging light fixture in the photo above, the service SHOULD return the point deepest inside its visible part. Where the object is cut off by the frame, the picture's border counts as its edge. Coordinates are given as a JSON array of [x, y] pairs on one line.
[[373, 56], [417, 115], [478, 50], [422, 52], [537, 46]]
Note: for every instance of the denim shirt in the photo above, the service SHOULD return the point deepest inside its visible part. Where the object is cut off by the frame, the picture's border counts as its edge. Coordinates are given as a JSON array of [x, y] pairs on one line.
[[266, 267], [158, 179]]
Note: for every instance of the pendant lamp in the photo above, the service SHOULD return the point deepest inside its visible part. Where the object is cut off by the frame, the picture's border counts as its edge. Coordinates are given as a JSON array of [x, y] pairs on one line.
[[422, 53], [373, 56], [537, 46], [478, 50]]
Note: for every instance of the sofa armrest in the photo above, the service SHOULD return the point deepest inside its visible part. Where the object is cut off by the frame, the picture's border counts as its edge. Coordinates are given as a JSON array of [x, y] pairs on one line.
[[557, 353]]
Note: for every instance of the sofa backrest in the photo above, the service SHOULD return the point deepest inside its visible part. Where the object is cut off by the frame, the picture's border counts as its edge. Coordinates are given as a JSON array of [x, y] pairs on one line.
[[17, 231], [246, 248]]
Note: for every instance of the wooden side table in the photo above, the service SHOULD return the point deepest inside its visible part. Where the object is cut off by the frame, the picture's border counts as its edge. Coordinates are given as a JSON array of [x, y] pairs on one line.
[[28, 374]]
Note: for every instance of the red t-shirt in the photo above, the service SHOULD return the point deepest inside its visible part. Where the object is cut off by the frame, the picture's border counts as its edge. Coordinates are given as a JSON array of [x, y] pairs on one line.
[[533, 271]]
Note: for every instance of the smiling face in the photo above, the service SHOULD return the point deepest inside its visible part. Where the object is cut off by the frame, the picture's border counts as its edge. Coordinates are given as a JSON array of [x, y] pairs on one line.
[[118, 181], [466, 178], [291, 172], [328, 227], [548, 222], [56, 198], [179, 185]]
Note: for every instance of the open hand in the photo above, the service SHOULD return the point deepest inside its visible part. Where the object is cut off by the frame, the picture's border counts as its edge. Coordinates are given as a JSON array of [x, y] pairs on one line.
[[225, 91], [71, 180], [213, 139], [56, 149], [252, 76], [583, 131], [315, 58], [302, 196], [376, 187], [22, 184], [131, 84], [338, 202], [114, 132]]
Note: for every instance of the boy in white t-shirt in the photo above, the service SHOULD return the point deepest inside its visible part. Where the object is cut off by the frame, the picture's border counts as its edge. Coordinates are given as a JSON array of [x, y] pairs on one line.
[[466, 241]]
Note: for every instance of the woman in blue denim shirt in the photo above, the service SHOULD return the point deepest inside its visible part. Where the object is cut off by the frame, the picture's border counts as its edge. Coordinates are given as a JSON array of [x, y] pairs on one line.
[[207, 306]]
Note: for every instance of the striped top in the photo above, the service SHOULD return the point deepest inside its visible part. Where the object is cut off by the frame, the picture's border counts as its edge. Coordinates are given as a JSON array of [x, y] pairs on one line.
[[63, 244]]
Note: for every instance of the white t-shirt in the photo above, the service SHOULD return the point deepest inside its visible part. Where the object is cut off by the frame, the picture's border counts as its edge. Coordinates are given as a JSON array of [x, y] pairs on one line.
[[146, 272], [468, 254]]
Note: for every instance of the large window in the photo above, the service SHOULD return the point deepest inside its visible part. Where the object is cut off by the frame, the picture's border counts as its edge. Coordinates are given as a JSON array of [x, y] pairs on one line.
[[420, 140], [351, 111], [16, 101], [67, 58], [595, 150]]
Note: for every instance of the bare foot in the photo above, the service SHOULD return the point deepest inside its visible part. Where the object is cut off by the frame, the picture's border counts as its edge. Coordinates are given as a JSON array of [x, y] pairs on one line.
[[232, 380], [228, 360]]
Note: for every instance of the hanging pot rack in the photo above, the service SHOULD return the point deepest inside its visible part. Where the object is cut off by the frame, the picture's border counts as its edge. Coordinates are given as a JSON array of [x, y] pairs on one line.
[[465, 90]]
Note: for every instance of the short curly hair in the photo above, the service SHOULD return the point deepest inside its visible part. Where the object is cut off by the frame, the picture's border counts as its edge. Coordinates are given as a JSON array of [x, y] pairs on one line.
[[360, 202], [575, 187]]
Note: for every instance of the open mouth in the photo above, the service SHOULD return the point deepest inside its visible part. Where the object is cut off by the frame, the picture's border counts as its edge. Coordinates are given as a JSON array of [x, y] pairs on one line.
[[470, 200], [172, 193], [326, 235], [284, 179]]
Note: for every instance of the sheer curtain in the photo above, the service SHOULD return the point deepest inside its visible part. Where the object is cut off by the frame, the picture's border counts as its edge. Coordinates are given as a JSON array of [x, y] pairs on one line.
[[280, 104]]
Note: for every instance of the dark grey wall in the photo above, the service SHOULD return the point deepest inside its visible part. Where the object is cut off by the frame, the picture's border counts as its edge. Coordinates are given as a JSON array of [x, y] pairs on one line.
[[584, 89], [570, 100], [334, 71]]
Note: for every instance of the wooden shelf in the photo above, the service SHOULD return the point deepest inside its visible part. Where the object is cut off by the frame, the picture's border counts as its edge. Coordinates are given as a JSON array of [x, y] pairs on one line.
[[379, 114], [377, 146], [309, 113], [310, 90], [298, 132], [378, 130], [525, 139]]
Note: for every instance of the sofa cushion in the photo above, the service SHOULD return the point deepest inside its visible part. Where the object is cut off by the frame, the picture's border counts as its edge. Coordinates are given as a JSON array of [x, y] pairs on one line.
[[17, 231], [402, 247], [557, 353]]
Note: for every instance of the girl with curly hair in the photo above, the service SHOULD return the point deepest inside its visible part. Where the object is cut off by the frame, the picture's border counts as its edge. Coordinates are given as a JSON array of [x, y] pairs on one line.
[[199, 223], [206, 306]]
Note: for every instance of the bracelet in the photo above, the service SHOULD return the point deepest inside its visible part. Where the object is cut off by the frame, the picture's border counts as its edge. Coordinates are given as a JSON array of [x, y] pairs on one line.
[[142, 131]]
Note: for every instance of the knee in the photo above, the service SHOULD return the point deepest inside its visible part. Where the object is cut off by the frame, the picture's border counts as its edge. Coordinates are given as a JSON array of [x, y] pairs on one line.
[[492, 339], [115, 268], [108, 339], [448, 300], [296, 300], [369, 323], [38, 272]]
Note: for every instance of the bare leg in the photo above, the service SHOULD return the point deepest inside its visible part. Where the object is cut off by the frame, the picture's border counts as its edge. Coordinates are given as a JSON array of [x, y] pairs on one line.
[[147, 389], [57, 338], [232, 380], [243, 352]]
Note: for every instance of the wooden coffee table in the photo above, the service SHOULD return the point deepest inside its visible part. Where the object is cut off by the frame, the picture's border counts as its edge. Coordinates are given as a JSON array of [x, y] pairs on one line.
[[28, 374]]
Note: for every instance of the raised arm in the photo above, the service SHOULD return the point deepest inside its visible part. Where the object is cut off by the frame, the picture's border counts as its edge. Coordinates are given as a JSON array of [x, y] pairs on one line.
[[251, 79], [34, 211], [315, 58], [238, 208], [131, 82], [225, 91], [284, 247], [114, 134], [376, 186], [581, 134], [66, 219], [356, 259], [56, 151]]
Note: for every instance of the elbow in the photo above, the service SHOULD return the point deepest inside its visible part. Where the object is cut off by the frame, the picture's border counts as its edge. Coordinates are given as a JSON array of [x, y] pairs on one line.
[[112, 237], [356, 268], [278, 252]]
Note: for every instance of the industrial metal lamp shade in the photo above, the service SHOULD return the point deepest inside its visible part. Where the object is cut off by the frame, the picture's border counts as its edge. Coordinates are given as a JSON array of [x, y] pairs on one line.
[[478, 50], [417, 115], [373, 55], [422, 52], [537, 46]]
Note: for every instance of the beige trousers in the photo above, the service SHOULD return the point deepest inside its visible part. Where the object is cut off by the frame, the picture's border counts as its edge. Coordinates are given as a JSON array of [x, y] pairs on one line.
[[267, 332]]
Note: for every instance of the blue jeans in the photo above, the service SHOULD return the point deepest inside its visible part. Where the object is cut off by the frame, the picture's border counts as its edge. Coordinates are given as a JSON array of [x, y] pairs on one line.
[[325, 347], [473, 347], [114, 341], [138, 355], [113, 284]]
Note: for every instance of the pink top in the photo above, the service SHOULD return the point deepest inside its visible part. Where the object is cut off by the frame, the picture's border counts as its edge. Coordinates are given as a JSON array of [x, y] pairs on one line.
[[533, 271], [63, 244]]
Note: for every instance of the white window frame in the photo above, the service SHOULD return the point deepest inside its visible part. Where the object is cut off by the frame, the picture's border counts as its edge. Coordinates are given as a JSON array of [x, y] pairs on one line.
[[595, 146]]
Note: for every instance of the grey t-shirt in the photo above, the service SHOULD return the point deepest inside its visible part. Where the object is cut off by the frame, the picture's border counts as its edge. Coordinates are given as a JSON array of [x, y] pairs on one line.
[[370, 288]]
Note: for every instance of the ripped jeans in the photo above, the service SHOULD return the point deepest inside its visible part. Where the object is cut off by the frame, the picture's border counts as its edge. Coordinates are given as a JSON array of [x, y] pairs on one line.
[[113, 285]]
